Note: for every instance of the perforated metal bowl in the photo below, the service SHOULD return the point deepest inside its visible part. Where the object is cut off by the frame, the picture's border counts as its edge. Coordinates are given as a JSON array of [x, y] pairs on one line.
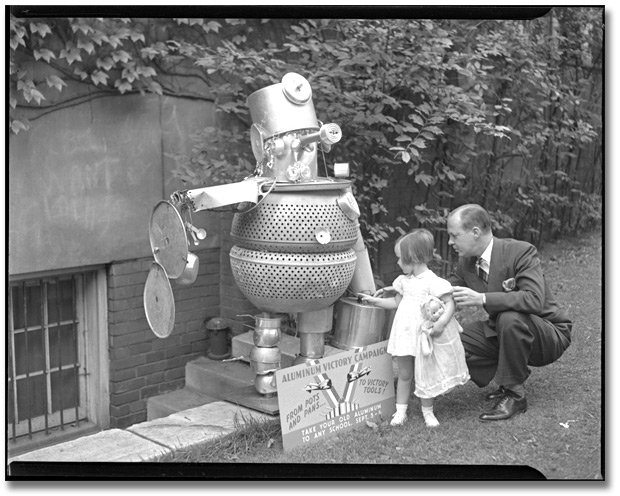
[[296, 223], [292, 282]]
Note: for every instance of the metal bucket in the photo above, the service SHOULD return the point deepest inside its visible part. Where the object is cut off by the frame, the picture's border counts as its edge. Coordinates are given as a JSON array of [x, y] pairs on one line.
[[277, 114], [359, 324]]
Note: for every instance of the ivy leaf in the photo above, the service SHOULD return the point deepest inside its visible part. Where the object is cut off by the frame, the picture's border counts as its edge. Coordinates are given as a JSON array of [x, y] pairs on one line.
[[99, 77], [146, 71], [16, 41], [135, 36], [212, 26], [122, 85], [44, 54], [114, 40], [121, 55], [106, 63], [86, 45], [80, 72], [85, 28], [55, 81], [129, 74], [98, 37], [71, 54], [13, 102], [406, 157], [41, 28], [36, 95], [17, 126]]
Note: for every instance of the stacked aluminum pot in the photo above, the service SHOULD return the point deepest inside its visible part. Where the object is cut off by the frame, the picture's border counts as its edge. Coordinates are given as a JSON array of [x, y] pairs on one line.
[[265, 357]]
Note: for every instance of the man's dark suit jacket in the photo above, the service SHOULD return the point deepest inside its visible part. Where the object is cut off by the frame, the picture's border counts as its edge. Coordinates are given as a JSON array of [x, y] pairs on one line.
[[511, 258]]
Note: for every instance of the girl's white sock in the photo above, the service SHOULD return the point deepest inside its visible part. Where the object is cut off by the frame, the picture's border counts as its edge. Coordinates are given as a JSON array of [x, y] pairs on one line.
[[429, 416], [400, 417]]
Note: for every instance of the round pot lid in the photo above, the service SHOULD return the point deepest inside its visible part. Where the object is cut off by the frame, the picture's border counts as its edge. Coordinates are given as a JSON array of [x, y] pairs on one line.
[[296, 88], [159, 302], [168, 239]]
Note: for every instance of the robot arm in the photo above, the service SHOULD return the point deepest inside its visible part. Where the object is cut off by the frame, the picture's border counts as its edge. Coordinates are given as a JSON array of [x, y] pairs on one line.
[[212, 197]]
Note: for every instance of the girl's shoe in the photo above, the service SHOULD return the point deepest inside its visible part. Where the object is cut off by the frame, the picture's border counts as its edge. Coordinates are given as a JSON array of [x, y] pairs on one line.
[[430, 420], [399, 418]]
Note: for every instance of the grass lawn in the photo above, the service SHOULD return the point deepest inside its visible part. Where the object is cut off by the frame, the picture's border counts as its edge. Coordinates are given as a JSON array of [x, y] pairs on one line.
[[561, 434]]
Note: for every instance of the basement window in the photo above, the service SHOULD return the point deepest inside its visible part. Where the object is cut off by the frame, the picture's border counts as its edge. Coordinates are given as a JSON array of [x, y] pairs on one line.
[[52, 355]]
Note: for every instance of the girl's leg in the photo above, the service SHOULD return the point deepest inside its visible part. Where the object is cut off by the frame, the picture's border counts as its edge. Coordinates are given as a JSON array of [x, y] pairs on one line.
[[427, 412], [403, 388], [405, 377]]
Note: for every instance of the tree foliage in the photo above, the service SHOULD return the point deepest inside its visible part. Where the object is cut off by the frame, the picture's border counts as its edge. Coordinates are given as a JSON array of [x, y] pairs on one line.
[[436, 112]]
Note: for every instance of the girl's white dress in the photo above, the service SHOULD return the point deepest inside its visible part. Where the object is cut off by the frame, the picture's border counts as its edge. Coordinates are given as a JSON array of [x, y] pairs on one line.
[[445, 367]]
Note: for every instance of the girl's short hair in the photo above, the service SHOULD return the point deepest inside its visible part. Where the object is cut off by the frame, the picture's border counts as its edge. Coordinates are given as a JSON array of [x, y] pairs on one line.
[[416, 246]]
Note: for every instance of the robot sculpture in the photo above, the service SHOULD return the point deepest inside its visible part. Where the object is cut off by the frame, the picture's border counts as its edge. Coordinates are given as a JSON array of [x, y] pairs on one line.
[[298, 245]]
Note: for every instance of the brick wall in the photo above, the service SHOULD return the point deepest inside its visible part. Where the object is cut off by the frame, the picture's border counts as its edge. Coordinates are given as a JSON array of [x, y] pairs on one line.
[[141, 364]]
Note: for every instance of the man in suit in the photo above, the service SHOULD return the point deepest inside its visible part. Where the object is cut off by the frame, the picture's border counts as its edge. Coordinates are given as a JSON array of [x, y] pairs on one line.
[[525, 327]]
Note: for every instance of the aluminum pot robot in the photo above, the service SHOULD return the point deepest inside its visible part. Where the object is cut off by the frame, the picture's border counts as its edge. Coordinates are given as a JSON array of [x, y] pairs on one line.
[[298, 245]]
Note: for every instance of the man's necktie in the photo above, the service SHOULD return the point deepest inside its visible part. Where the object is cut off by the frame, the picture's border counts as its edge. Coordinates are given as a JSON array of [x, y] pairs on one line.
[[482, 274]]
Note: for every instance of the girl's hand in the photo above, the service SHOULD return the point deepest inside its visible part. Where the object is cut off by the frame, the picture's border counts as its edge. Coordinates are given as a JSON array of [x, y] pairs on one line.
[[363, 297]]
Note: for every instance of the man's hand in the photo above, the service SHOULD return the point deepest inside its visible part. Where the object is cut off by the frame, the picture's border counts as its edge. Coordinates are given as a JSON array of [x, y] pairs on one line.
[[466, 297]]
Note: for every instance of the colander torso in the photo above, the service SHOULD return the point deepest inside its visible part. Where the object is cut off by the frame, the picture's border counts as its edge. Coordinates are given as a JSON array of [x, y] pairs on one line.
[[293, 223]]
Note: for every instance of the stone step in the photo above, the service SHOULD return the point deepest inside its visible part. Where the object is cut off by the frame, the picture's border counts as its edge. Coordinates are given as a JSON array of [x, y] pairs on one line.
[[217, 378]]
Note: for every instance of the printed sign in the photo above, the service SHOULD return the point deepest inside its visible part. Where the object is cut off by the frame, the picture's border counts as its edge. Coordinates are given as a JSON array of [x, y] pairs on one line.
[[326, 396]]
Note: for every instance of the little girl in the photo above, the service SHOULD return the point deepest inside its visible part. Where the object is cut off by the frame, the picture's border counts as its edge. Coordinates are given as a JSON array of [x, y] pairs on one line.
[[445, 367]]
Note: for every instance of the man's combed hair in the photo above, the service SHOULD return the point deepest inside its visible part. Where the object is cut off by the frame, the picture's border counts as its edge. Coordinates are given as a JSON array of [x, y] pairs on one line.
[[416, 246], [471, 216]]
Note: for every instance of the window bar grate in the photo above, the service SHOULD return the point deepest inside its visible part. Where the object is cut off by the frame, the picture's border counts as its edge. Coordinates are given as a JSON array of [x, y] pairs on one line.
[[76, 361], [27, 361], [11, 366], [46, 375], [60, 398]]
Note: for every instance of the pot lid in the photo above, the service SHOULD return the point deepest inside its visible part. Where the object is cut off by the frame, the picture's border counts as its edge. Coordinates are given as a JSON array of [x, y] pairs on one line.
[[168, 239], [159, 301]]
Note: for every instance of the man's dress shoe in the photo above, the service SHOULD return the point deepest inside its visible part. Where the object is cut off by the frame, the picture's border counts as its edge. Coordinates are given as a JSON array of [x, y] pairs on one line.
[[507, 405]]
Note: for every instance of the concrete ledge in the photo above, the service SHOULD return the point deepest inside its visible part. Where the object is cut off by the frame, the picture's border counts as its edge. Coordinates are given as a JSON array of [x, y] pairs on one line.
[[149, 441], [175, 401], [114, 445]]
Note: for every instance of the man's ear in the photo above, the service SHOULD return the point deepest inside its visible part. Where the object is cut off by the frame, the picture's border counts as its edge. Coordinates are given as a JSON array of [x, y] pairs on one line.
[[477, 232]]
